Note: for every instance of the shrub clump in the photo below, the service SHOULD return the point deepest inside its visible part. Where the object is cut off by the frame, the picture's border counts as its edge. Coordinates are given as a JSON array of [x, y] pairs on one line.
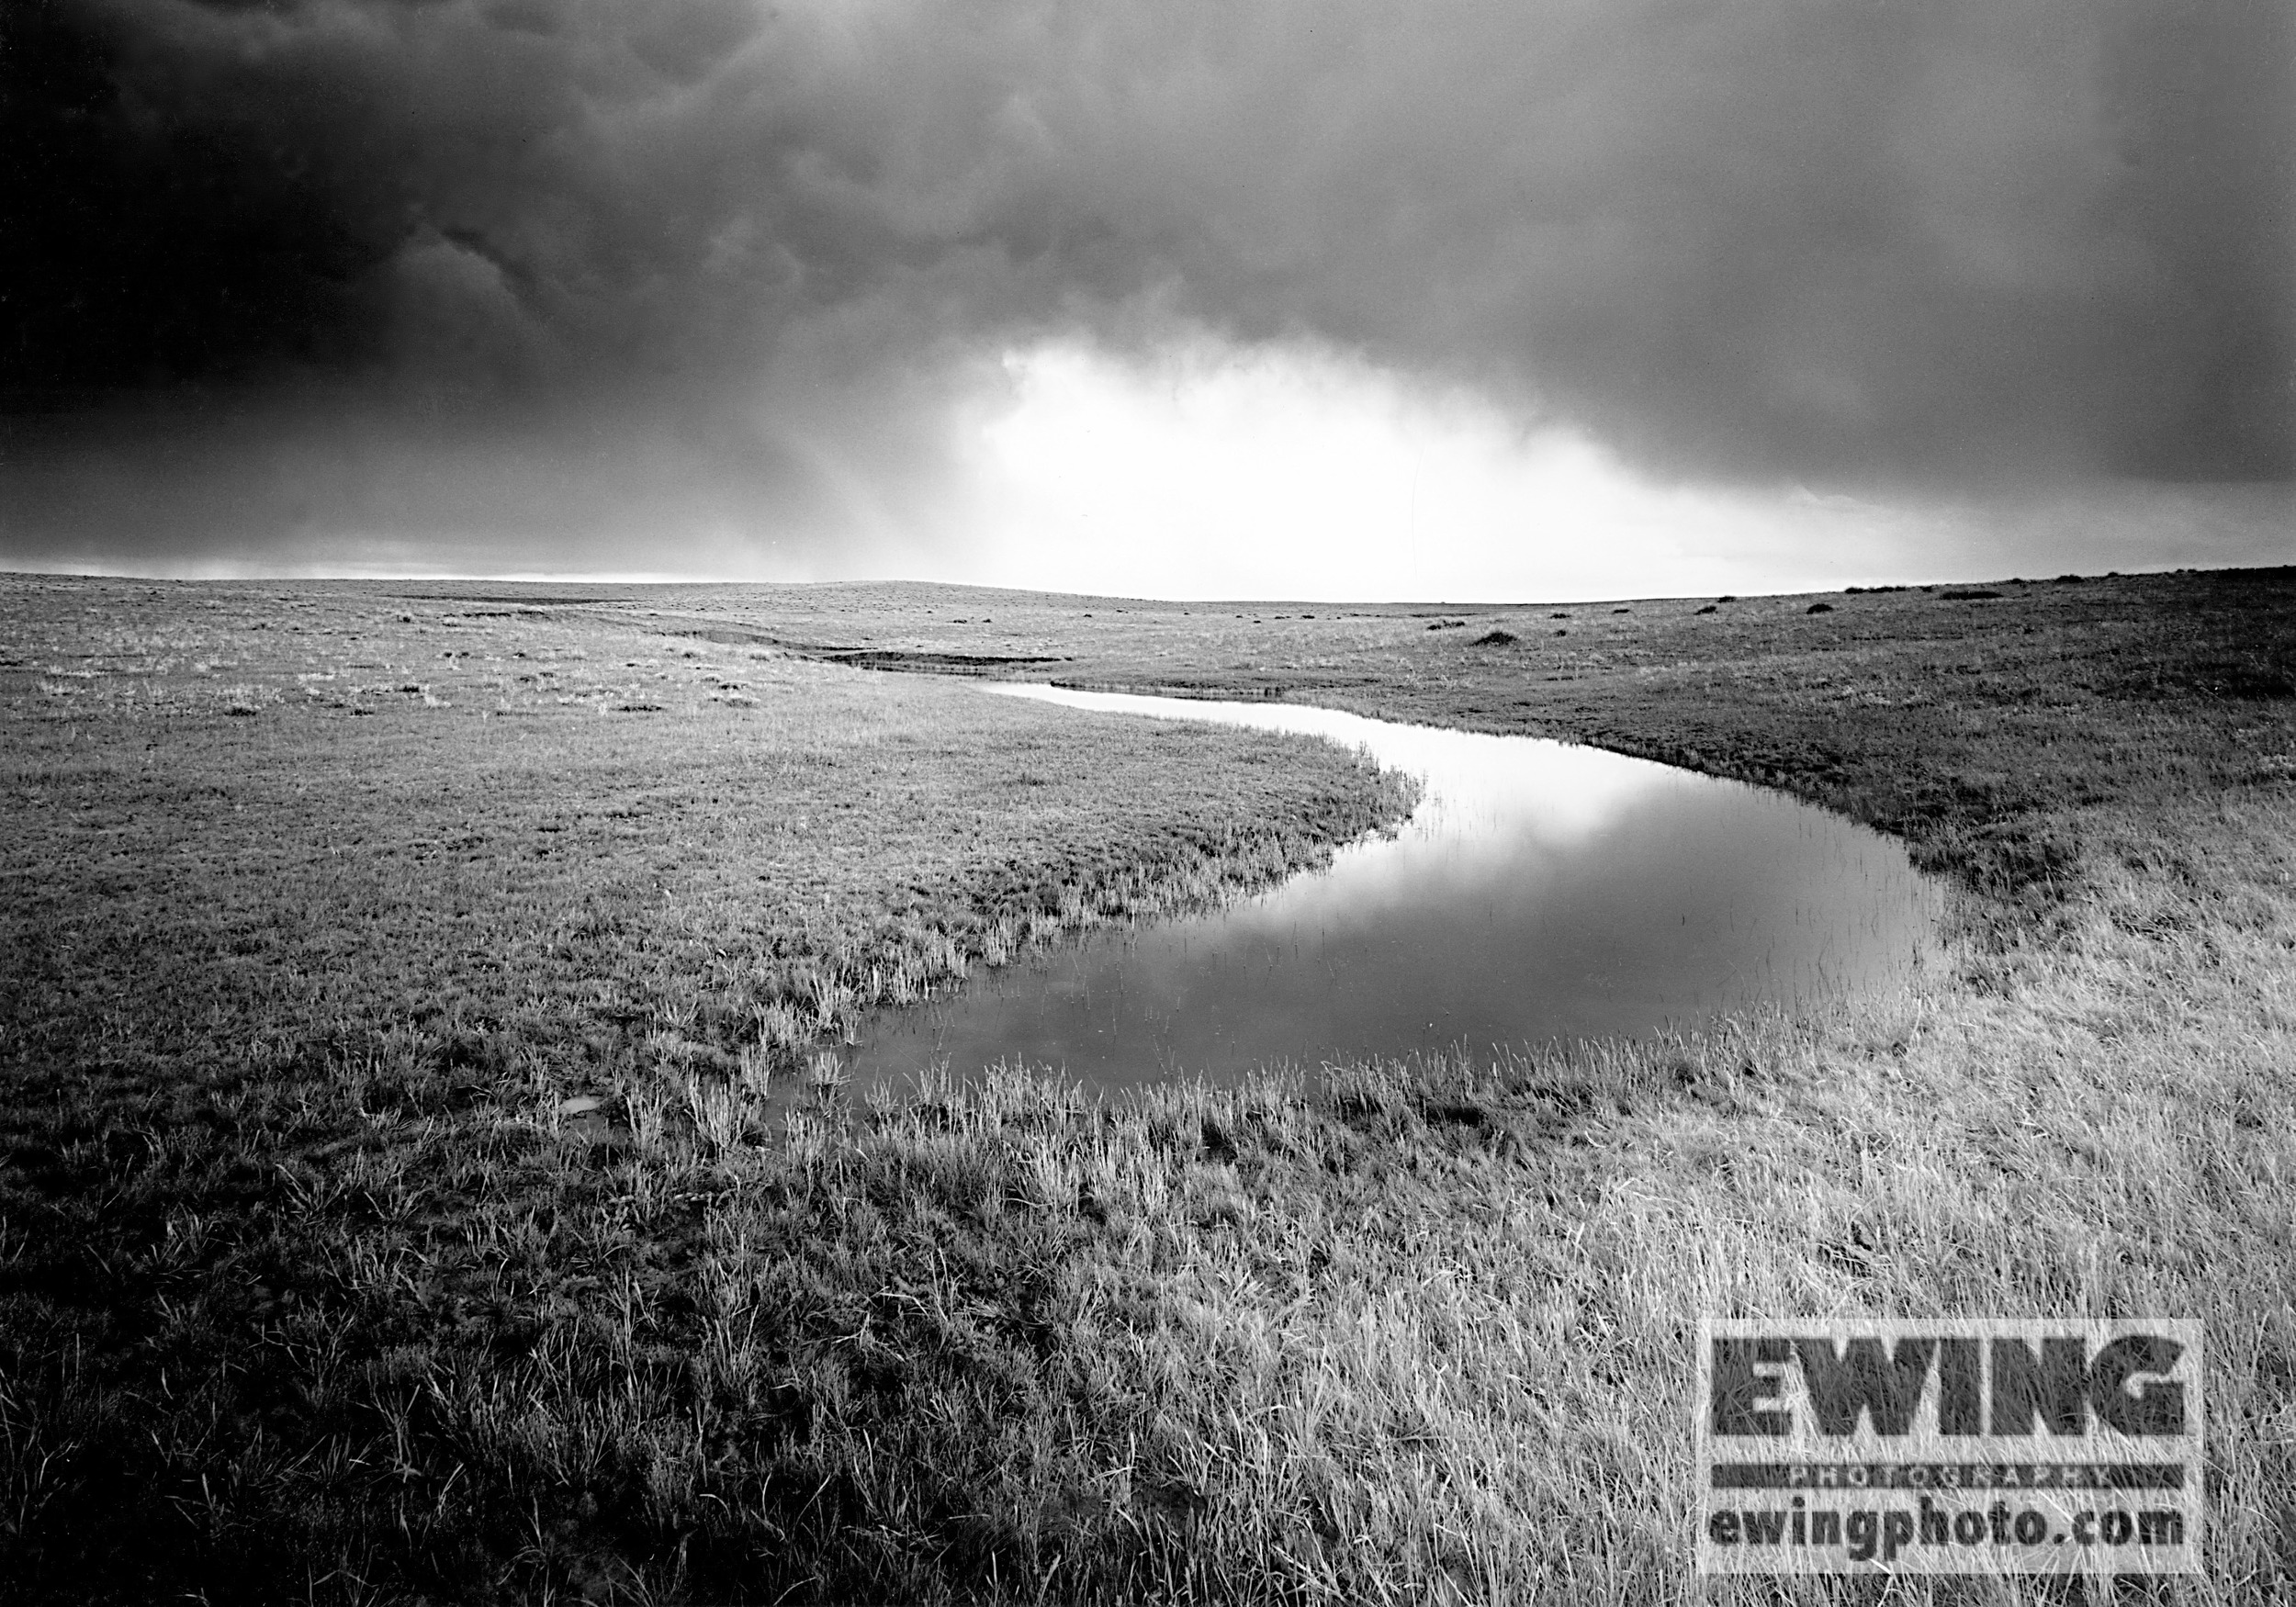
[[1494, 639]]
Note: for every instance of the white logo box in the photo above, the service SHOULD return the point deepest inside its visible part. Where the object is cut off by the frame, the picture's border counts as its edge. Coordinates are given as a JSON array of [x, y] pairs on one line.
[[1993, 1446]]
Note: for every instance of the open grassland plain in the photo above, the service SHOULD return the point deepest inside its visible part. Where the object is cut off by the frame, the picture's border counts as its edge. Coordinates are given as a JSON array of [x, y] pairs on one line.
[[311, 1288], [320, 909]]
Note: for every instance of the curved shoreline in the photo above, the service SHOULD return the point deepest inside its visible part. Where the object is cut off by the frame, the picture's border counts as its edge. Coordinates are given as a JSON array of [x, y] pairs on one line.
[[1540, 891]]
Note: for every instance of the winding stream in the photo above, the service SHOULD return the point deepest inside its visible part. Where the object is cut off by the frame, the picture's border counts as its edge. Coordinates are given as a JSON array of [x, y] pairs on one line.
[[1539, 891]]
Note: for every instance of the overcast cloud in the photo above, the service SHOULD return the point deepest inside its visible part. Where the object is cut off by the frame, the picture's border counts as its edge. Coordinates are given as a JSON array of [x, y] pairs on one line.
[[514, 284]]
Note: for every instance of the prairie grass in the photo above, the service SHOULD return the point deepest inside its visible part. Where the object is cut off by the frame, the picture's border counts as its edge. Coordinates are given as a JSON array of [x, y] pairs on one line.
[[364, 1313], [337, 945]]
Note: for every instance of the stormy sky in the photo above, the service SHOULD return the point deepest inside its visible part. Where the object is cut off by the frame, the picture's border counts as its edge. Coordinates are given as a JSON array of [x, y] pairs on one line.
[[1182, 298]]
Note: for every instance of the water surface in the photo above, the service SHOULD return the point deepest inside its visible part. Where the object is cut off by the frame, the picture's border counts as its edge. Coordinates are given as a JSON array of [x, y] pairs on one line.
[[1539, 891]]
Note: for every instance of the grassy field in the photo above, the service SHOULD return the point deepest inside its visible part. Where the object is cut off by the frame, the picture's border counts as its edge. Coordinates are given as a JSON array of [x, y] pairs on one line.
[[322, 907], [313, 1287]]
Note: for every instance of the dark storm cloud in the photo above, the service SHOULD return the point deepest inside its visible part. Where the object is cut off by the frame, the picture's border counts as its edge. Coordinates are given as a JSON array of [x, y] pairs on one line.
[[531, 268]]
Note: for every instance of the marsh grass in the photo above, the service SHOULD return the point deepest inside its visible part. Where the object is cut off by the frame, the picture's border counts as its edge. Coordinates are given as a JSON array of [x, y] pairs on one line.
[[342, 961], [297, 1311]]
